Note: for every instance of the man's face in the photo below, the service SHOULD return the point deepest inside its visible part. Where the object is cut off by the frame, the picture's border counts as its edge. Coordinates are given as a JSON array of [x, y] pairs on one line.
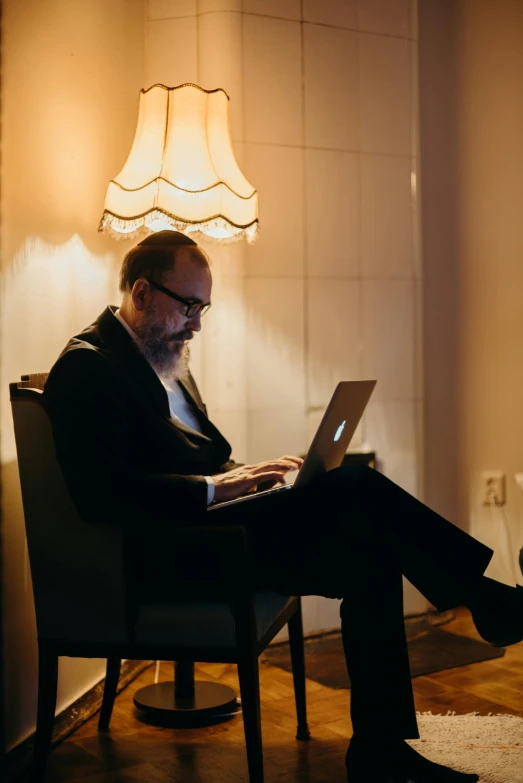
[[163, 326]]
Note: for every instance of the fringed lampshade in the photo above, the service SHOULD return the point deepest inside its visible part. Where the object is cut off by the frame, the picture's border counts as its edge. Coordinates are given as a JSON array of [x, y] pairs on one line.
[[181, 172]]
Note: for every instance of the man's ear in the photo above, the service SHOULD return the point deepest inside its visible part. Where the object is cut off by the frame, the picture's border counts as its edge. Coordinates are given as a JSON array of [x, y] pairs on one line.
[[140, 294]]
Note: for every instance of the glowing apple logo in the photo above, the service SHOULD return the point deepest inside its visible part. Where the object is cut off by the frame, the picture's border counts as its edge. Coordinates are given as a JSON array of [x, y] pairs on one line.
[[340, 430]]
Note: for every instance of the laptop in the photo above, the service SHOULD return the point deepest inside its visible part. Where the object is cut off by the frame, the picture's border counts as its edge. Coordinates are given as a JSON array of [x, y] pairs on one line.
[[331, 440]]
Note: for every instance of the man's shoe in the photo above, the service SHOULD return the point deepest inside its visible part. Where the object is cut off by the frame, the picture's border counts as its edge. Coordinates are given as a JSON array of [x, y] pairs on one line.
[[500, 622], [399, 763], [365, 766]]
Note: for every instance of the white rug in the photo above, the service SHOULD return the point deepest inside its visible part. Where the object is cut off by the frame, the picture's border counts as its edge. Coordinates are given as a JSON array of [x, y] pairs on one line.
[[491, 746]]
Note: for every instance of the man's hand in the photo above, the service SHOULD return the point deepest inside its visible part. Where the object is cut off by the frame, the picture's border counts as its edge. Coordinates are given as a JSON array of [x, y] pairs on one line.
[[240, 481]]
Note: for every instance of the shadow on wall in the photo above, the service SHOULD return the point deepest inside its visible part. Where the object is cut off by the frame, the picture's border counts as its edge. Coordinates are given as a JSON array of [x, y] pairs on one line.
[[49, 292], [70, 82]]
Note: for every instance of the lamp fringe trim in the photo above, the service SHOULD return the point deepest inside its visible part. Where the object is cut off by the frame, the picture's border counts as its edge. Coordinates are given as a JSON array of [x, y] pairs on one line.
[[138, 227]]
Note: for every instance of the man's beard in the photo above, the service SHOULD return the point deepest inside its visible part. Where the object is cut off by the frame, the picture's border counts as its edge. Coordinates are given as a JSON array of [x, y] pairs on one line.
[[164, 349]]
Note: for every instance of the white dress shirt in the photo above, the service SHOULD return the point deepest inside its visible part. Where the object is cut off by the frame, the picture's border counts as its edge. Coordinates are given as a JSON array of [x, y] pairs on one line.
[[179, 406]]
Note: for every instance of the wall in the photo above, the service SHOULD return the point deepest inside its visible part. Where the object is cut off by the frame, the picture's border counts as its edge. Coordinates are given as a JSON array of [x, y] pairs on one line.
[[71, 77], [324, 124], [471, 117], [323, 116]]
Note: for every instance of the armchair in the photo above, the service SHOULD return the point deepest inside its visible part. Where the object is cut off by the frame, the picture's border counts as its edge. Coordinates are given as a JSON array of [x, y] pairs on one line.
[[84, 596]]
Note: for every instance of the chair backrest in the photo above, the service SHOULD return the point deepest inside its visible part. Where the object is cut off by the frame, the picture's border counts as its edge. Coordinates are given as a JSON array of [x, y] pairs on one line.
[[76, 568]]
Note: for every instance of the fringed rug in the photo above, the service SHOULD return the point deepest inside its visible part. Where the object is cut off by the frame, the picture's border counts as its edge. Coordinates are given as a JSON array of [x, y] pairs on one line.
[[491, 746]]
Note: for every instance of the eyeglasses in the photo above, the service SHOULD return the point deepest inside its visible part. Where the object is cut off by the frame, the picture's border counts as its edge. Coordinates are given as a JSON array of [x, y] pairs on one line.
[[191, 308]]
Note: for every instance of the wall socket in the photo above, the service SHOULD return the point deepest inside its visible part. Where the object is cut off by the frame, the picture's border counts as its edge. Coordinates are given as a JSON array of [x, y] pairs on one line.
[[493, 488]]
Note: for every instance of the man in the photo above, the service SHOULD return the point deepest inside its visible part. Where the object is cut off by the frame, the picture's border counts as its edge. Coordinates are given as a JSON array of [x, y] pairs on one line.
[[135, 444]]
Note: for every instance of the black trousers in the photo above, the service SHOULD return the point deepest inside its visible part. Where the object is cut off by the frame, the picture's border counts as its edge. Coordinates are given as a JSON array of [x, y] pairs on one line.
[[352, 534]]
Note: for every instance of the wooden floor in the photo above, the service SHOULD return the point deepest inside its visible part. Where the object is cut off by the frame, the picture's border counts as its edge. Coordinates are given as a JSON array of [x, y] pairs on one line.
[[132, 751]]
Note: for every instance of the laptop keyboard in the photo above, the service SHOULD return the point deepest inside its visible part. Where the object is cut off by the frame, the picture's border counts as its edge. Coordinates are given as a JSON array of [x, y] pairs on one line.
[[245, 498]]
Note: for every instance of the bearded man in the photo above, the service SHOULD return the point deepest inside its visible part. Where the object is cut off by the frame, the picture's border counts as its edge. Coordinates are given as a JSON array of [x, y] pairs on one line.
[[136, 446]]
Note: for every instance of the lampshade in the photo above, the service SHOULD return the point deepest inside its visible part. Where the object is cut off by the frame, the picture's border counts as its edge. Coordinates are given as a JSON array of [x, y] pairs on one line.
[[181, 172]]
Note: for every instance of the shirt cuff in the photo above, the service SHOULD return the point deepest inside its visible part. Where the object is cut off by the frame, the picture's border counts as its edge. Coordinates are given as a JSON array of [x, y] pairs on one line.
[[210, 489]]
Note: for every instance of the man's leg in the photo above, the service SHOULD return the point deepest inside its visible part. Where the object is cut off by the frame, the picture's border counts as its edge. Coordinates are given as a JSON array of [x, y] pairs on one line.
[[311, 532], [442, 561], [300, 546], [352, 534], [375, 646], [357, 529]]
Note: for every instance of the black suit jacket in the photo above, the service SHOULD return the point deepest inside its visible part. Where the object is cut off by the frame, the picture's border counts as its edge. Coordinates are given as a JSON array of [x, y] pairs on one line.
[[124, 459]]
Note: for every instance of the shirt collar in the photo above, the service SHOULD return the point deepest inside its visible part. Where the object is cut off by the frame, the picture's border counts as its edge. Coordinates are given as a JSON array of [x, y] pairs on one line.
[[126, 326]]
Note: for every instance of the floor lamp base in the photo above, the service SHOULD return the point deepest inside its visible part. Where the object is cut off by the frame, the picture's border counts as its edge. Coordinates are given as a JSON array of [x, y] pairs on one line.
[[208, 703]]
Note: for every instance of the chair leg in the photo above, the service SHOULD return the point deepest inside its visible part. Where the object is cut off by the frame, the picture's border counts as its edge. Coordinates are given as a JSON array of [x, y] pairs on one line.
[[248, 675], [47, 685], [295, 625], [112, 675]]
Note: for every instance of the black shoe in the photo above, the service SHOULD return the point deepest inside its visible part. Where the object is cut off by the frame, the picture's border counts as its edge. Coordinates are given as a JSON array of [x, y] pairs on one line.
[[369, 762], [499, 617], [367, 765]]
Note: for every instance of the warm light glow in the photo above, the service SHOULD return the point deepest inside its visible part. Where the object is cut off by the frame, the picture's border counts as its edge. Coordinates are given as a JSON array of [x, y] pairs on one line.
[[181, 172]]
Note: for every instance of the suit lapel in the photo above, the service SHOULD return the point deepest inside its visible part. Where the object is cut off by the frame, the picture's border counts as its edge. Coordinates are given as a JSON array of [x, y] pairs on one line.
[[192, 394], [189, 430], [125, 351], [198, 409]]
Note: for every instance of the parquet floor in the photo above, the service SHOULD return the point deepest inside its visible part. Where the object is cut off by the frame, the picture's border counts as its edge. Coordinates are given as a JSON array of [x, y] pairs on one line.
[[133, 751]]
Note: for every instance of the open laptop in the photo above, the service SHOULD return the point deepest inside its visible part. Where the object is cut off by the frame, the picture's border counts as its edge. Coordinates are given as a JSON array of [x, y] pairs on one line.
[[331, 440]]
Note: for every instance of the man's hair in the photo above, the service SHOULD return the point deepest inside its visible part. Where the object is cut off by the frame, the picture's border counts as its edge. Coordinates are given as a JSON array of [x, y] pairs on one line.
[[154, 257]]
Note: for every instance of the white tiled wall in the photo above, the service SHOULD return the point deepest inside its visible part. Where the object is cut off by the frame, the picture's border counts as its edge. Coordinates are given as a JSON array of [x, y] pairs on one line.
[[330, 77], [338, 13], [324, 121], [278, 172], [387, 247], [334, 348], [388, 17], [171, 9], [273, 80], [332, 204], [286, 9], [275, 355], [171, 51], [385, 94], [219, 51]]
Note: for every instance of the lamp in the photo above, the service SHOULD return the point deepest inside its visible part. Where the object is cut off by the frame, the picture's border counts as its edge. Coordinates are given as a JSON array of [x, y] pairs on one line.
[[181, 172]]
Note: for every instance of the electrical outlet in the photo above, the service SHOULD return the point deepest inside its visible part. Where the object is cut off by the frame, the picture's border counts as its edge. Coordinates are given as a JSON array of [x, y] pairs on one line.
[[493, 488]]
